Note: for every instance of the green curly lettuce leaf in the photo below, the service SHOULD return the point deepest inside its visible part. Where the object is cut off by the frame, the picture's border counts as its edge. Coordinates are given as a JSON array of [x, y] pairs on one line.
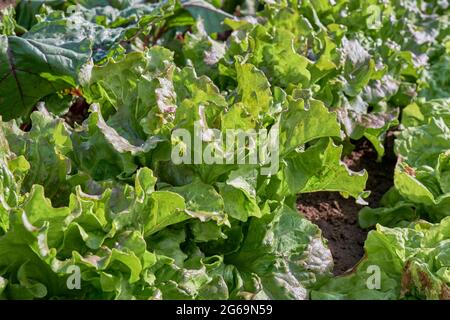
[[411, 262]]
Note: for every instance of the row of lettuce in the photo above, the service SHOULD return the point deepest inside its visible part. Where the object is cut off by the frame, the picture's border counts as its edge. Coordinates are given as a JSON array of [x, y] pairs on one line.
[[104, 198]]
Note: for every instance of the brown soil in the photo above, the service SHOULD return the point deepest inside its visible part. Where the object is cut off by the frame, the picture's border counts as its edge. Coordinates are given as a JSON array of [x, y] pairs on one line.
[[78, 112], [338, 217]]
